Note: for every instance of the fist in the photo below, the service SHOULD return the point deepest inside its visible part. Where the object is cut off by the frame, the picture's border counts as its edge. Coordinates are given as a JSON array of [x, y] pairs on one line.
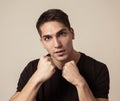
[[45, 68], [71, 73]]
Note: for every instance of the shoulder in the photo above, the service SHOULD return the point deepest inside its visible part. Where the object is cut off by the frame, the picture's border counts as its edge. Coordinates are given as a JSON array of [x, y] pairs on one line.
[[34, 63], [92, 62], [96, 74], [92, 68], [27, 73], [31, 67]]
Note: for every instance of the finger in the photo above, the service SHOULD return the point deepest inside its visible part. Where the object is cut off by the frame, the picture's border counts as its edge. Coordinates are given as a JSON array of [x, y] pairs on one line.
[[46, 58], [42, 57], [54, 70], [50, 60]]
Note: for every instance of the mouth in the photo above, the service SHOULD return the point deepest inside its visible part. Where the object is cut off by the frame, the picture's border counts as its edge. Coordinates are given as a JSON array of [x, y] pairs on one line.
[[60, 52]]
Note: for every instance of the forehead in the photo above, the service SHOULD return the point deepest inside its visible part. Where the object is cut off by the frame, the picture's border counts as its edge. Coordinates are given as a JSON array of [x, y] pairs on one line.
[[51, 27]]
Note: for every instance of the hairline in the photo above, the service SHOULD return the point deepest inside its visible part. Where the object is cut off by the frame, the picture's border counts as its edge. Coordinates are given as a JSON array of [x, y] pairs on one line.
[[39, 29]]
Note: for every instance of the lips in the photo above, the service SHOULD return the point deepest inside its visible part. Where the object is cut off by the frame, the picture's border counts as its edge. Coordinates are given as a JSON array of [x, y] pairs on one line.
[[60, 52]]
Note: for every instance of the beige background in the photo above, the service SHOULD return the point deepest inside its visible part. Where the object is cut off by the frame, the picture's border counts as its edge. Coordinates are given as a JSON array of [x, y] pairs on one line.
[[96, 24]]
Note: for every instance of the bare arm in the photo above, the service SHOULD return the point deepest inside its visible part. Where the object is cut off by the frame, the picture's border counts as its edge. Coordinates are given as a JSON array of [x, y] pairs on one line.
[[101, 99], [29, 91], [84, 92], [44, 71]]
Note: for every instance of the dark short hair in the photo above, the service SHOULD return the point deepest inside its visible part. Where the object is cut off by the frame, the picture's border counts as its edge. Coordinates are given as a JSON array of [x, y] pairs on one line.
[[53, 15]]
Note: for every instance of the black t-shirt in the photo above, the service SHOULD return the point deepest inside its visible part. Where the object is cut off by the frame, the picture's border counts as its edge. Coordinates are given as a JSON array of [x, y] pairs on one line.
[[58, 89]]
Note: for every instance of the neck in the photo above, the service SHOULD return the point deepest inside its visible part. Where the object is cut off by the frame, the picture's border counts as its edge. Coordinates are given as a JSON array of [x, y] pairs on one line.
[[75, 56]]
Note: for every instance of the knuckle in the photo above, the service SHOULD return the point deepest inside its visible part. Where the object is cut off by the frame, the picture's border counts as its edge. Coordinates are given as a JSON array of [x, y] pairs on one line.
[[42, 58], [72, 61], [66, 64]]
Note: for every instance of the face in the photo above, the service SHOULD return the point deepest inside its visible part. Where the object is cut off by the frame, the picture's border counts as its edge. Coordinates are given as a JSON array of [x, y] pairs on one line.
[[57, 40]]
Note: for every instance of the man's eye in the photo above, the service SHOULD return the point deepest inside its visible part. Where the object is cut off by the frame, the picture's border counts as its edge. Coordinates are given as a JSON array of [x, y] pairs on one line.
[[46, 38], [62, 33]]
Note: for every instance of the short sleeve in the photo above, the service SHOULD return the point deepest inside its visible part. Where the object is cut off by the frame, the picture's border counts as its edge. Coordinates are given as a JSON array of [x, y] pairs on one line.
[[101, 84], [26, 74]]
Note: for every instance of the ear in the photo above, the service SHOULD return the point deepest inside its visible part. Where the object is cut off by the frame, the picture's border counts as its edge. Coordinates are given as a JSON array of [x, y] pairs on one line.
[[72, 32]]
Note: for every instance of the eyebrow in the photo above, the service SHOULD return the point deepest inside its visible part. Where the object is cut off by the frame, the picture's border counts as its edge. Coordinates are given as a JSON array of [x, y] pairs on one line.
[[44, 36], [62, 30]]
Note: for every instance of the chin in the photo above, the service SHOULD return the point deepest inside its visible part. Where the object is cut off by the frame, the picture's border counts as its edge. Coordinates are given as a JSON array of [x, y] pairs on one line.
[[61, 58]]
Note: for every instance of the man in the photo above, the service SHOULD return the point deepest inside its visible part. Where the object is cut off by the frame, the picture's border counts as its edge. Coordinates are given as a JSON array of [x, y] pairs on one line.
[[64, 74]]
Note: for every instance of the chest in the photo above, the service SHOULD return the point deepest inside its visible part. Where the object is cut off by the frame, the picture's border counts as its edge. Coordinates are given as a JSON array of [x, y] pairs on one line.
[[58, 89]]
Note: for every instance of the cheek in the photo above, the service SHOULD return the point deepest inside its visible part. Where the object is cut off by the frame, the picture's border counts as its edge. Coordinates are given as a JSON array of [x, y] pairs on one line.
[[67, 43], [48, 46]]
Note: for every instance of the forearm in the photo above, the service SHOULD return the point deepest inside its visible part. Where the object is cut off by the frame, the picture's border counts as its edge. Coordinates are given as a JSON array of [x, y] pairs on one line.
[[45, 69], [84, 92], [30, 90]]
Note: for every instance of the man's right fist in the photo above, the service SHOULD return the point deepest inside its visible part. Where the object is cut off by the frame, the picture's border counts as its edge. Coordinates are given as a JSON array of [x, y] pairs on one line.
[[45, 68]]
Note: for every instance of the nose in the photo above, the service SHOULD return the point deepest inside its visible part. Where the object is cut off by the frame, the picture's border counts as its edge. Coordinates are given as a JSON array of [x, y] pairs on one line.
[[57, 43]]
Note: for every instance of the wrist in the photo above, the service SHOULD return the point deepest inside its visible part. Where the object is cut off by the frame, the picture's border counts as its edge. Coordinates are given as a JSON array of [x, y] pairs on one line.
[[37, 78], [80, 82]]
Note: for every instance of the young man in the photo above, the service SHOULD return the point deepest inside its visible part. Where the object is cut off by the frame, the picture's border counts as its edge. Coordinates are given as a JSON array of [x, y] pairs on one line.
[[64, 74]]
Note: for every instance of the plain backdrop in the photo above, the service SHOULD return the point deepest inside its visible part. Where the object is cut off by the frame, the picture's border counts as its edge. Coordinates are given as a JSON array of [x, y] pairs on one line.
[[97, 33]]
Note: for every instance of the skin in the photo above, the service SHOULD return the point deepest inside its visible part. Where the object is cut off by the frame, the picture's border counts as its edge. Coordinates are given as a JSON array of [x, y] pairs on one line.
[[57, 40]]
